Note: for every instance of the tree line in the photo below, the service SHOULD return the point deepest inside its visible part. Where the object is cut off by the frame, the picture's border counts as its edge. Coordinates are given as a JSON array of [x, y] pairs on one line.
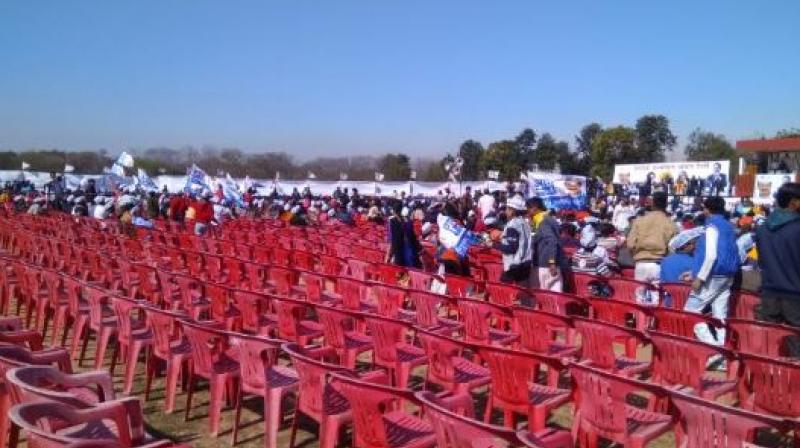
[[594, 152]]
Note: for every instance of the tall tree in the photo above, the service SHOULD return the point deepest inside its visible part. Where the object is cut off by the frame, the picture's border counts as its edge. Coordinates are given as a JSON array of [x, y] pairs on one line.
[[550, 152], [612, 146], [471, 152], [395, 167], [526, 145], [506, 157], [653, 138], [788, 133], [584, 142]]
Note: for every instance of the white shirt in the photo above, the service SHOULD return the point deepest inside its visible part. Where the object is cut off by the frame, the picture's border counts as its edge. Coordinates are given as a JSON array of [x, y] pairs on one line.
[[621, 217], [712, 236], [486, 205]]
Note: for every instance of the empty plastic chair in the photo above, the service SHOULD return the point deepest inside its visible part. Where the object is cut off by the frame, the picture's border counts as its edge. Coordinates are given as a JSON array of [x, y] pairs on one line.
[[447, 365]]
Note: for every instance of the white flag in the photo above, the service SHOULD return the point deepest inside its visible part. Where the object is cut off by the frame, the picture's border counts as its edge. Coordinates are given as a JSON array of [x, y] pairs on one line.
[[413, 175], [311, 175], [379, 177], [125, 160], [68, 168], [25, 165], [493, 174], [342, 176]]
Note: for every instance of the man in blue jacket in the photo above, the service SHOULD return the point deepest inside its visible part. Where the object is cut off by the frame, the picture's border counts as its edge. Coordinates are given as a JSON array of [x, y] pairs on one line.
[[778, 243], [716, 262]]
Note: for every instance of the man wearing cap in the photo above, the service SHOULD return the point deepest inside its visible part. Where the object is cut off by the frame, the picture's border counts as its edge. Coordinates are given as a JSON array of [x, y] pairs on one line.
[[648, 239], [778, 244], [515, 244], [548, 257], [679, 263]]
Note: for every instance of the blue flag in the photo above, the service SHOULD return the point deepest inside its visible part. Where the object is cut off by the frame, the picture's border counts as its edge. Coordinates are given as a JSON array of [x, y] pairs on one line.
[[196, 180], [145, 182], [231, 191]]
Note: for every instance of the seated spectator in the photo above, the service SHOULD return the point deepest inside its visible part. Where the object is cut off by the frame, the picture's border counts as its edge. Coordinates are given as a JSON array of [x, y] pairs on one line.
[[592, 258], [677, 266]]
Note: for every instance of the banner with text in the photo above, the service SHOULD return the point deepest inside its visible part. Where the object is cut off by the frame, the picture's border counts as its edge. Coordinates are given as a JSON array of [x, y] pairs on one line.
[[638, 172]]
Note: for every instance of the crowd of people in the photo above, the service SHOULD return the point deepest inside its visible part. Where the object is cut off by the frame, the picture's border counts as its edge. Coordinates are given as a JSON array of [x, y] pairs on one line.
[[706, 245]]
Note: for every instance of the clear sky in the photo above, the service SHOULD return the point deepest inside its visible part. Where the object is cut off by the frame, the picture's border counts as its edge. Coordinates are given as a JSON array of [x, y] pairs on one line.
[[337, 77]]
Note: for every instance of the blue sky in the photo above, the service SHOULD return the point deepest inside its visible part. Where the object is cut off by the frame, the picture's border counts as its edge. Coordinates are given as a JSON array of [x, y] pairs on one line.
[[359, 77]]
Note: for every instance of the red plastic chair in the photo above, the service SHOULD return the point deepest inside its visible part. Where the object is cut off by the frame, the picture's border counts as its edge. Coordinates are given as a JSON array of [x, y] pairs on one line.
[[212, 360], [493, 271], [359, 269], [390, 274], [702, 424], [744, 304], [292, 324], [86, 427], [581, 283], [560, 303], [682, 362], [284, 280], [447, 365], [57, 305], [503, 294], [261, 375], [101, 321], [604, 412], [11, 332], [12, 356], [390, 301], [379, 420], [679, 293], [597, 346], [624, 314], [514, 387], [680, 323], [316, 288], [455, 430], [629, 290], [221, 309], [770, 385], [540, 332], [477, 317], [427, 306], [354, 294], [760, 338], [458, 286], [330, 265], [133, 336], [45, 383], [393, 348], [255, 312], [339, 329], [420, 280], [234, 271], [169, 346], [192, 301], [317, 398], [303, 260]]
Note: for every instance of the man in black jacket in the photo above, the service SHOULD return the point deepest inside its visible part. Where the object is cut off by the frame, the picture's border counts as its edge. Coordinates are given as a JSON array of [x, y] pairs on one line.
[[778, 242]]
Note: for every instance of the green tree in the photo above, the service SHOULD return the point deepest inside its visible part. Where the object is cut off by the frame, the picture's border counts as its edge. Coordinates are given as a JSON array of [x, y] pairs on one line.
[[471, 152], [526, 145], [584, 142], [612, 146], [395, 167], [549, 153], [504, 156], [704, 146], [653, 138]]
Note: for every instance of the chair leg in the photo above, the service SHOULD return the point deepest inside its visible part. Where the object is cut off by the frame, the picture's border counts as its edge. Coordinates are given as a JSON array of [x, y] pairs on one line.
[[189, 395], [294, 427], [237, 417], [272, 418], [216, 397], [130, 366]]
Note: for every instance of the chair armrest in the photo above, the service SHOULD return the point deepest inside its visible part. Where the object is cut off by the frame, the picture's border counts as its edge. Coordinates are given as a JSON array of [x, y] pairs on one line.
[[101, 378], [32, 337], [54, 355]]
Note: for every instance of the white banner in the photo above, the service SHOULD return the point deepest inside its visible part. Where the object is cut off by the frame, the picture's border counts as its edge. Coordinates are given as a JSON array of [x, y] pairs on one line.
[[768, 184], [559, 191], [637, 173]]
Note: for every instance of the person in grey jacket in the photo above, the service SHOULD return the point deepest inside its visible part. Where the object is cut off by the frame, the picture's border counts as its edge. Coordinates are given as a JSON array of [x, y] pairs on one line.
[[548, 256], [515, 244]]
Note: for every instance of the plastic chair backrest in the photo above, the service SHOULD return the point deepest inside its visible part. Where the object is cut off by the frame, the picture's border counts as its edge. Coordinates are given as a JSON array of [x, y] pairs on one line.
[[454, 430], [330, 265], [303, 260], [503, 294], [426, 305], [96, 297], [369, 402], [441, 352], [42, 382], [359, 269], [601, 397], [289, 313], [704, 424], [250, 305], [386, 334], [352, 291], [235, 269], [390, 299], [772, 385], [312, 376], [458, 286], [493, 271], [207, 345], [335, 324], [256, 274], [218, 297], [744, 304], [627, 289], [761, 338], [537, 329], [476, 315], [619, 312], [682, 361], [256, 356], [123, 310], [163, 324], [679, 293], [389, 273], [558, 302], [513, 370], [419, 280], [598, 340], [680, 323], [315, 286]]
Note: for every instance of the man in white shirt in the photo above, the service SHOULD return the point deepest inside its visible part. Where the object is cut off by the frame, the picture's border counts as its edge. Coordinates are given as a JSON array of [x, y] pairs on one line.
[[486, 203]]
